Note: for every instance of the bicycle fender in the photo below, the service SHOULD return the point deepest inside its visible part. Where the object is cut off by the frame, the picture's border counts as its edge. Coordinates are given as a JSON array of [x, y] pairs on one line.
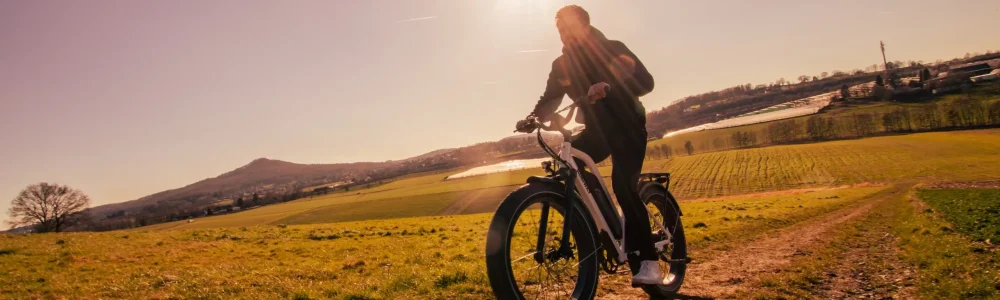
[[543, 179], [669, 196]]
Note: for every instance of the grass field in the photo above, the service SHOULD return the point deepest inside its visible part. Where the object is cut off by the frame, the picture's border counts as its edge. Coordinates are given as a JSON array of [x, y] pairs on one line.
[[432, 257], [428, 239], [927, 156], [973, 212]]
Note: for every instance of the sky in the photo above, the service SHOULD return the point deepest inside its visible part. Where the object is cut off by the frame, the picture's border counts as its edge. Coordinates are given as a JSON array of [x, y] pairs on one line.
[[122, 99]]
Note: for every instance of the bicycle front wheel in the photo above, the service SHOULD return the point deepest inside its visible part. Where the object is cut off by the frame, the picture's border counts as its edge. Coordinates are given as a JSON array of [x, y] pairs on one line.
[[517, 270]]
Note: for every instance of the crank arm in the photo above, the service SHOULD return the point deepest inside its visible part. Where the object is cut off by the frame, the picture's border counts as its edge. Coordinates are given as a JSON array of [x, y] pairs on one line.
[[685, 260]]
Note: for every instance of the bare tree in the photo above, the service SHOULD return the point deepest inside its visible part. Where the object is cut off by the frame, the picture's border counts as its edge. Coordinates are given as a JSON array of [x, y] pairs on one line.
[[824, 75], [994, 113], [803, 78], [783, 131], [49, 207], [864, 124]]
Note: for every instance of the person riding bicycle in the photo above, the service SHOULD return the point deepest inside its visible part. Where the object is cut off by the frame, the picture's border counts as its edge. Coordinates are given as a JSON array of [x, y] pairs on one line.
[[610, 79]]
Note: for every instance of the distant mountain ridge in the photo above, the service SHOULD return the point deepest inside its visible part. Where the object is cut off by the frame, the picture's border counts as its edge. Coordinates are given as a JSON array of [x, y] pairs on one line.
[[260, 172]]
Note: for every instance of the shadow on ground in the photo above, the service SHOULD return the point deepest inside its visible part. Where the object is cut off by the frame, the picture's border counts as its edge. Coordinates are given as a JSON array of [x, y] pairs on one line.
[[686, 297]]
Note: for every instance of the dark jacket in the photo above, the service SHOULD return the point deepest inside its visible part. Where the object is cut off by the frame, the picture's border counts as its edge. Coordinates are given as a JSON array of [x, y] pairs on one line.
[[579, 67]]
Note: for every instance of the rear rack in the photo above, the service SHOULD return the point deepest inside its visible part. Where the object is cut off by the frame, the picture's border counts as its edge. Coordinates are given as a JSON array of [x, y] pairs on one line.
[[657, 177]]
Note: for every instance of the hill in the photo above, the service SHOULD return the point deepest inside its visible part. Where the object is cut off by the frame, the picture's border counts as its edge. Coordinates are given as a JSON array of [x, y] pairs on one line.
[[956, 155], [272, 181], [718, 105], [266, 177]]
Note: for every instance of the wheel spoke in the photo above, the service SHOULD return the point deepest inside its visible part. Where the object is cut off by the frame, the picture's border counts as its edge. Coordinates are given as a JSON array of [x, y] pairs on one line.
[[541, 284], [523, 257], [658, 224]]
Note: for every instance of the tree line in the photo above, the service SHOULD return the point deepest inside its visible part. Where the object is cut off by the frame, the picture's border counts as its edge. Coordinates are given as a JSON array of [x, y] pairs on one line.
[[964, 113]]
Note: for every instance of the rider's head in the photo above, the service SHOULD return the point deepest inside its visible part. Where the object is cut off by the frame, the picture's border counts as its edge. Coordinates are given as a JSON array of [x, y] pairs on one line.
[[573, 23]]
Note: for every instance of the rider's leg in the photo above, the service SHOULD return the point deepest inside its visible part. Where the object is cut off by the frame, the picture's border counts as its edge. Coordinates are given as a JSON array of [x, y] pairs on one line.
[[627, 155], [594, 146], [626, 166]]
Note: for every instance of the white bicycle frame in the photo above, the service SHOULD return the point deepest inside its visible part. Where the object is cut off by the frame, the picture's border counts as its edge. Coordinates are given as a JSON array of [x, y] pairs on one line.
[[591, 204]]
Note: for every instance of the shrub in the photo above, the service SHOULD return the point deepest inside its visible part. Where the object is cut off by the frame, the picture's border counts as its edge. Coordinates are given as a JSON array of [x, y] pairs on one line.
[[451, 279]]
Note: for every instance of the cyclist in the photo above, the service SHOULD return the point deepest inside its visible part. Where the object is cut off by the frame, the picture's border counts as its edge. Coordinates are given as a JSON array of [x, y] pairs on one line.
[[615, 120]]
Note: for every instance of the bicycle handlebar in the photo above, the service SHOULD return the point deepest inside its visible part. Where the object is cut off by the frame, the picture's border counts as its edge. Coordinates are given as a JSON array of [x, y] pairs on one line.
[[533, 123]]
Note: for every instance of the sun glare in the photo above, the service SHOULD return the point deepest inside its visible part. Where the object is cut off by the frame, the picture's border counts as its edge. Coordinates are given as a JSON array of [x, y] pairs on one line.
[[525, 6]]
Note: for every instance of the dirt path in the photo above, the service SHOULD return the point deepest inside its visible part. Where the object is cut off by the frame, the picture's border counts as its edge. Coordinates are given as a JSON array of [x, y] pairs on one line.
[[870, 269], [731, 271]]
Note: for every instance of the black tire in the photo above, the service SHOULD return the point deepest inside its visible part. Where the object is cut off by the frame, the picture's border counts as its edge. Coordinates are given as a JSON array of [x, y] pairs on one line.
[[655, 196], [499, 264]]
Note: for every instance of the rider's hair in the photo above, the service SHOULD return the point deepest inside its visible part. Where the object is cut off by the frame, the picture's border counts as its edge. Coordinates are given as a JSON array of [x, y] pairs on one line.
[[574, 11]]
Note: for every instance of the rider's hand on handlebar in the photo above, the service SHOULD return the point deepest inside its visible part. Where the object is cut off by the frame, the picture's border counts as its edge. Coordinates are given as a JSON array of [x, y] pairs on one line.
[[598, 91], [527, 125]]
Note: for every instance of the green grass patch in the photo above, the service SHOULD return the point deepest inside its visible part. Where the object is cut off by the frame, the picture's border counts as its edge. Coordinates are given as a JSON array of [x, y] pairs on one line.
[[973, 212], [950, 265]]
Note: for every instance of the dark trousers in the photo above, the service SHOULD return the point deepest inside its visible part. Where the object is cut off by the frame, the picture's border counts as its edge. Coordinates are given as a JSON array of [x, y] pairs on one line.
[[627, 152]]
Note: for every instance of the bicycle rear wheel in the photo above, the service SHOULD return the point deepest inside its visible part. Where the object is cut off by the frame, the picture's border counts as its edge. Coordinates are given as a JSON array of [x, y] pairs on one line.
[[514, 269], [661, 206]]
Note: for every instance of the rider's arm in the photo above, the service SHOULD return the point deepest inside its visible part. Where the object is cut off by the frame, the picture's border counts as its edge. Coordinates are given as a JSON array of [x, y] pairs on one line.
[[553, 95], [641, 82]]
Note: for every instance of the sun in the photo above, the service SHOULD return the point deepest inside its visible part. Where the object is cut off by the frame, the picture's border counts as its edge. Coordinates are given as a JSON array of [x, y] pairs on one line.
[[526, 7]]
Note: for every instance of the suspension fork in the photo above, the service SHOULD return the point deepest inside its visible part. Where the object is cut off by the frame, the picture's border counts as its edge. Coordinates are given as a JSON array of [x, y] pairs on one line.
[[569, 195], [569, 176], [542, 233]]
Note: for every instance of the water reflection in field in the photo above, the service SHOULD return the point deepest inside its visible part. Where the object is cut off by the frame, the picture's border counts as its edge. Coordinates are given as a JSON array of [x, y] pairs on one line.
[[506, 166]]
